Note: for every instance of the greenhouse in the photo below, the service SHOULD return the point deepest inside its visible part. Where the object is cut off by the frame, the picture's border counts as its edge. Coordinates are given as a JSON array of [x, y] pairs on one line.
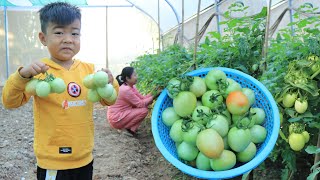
[[227, 89]]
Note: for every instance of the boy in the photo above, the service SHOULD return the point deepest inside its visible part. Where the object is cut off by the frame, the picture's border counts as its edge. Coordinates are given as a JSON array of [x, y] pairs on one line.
[[63, 123]]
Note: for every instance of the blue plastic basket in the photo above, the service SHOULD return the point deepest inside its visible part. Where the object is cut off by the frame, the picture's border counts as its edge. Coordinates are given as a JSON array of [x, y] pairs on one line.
[[264, 100]]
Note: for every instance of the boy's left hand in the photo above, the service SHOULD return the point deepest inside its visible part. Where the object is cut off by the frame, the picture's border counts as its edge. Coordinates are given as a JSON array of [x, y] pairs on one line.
[[110, 76]]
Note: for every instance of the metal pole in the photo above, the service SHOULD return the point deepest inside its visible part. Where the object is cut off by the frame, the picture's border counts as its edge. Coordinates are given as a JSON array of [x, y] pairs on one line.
[[291, 17], [159, 26], [218, 16], [196, 37], [266, 37], [107, 43], [6, 41], [182, 24]]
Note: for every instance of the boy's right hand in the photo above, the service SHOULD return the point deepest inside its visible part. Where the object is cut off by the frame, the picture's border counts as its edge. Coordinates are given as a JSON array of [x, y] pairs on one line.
[[33, 69]]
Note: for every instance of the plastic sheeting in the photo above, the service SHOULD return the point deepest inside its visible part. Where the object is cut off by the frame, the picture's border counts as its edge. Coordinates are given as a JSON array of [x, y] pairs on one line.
[[170, 10]]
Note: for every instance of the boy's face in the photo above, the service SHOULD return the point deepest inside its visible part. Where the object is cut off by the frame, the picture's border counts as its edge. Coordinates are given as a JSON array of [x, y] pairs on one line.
[[63, 42]]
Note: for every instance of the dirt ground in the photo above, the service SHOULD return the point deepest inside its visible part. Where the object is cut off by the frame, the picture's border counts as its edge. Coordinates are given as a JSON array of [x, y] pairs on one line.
[[116, 156]]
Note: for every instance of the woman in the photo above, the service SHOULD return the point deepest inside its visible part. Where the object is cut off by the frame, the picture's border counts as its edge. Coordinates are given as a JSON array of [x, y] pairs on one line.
[[131, 107]]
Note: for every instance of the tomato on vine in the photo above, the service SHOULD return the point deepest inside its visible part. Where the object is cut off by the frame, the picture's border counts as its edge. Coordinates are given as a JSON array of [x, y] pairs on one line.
[[301, 105], [289, 99]]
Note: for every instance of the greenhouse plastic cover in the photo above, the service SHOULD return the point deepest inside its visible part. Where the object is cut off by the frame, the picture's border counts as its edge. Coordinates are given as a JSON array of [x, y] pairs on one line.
[[170, 10]]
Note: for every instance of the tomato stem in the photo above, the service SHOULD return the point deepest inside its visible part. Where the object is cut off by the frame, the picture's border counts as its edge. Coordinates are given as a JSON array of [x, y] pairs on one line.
[[315, 74], [317, 157]]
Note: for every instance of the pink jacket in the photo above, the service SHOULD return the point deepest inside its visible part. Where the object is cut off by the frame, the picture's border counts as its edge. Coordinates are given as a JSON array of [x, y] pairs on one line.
[[128, 98]]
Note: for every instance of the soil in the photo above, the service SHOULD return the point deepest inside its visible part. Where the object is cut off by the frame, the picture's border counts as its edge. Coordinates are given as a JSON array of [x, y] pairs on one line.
[[116, 156]]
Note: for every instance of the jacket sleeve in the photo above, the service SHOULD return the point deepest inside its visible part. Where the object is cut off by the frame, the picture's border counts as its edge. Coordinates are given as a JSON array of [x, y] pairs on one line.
[[133, 99], [13, 93], [116, 87]]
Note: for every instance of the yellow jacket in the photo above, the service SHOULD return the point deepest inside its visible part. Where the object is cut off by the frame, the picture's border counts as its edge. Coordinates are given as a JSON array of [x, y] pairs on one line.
[[63, 123]]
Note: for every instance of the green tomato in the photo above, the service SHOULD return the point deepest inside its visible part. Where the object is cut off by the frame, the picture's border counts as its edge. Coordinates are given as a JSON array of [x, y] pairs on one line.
[[250, 95], [226, 161], [176, 132], [100, 78], [258, 115], [212, 99], [57, 85], [296, 141], [43, 89], [220, 124], [210, 143], [200, 113], [31, 86], [190, 136], [258, 134], [88, 82], [203, 162], [247, 154], [232, 86], [184, 103], [198, 87], [93, 95], [173, 87], [106, 91], [289, 99], [215, 78], [306, 136], [187, 151], [169, 116], [239, 139], [301, 105], [113, 97]]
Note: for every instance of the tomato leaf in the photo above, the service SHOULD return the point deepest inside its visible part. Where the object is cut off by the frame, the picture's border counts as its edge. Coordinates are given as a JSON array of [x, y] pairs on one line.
[[312, 150], [245, 176], [290, 112], [304, 115], [310, 87], [314, 174]]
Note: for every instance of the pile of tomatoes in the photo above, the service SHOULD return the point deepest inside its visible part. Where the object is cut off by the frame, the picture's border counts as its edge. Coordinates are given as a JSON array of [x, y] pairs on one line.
[[99, 88], [213, 122], [43, 87]]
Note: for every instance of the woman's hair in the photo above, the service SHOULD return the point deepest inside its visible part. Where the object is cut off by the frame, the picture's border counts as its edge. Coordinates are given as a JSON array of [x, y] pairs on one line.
[[126, 73], [59, 13]]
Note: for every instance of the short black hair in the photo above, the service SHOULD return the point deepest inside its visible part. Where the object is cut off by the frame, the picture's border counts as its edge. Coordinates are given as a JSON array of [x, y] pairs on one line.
[[60, 13]]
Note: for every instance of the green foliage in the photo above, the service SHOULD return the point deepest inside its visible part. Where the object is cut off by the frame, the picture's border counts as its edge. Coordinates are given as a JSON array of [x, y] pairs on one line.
[[155, 70], [241, 45], [292, 61]]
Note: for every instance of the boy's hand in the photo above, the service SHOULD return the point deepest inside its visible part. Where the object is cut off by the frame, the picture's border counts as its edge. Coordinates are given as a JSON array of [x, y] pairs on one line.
[[110, 76], [33, 69]]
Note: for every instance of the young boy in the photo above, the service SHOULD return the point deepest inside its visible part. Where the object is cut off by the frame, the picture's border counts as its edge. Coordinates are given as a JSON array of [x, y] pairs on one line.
[[63, 123]]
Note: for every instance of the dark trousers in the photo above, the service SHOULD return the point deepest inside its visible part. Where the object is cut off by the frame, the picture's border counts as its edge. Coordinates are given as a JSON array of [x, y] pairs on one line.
[[82, 173]]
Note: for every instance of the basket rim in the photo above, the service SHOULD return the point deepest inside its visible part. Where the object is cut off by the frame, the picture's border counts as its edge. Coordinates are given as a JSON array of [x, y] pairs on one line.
[[227, 173]]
